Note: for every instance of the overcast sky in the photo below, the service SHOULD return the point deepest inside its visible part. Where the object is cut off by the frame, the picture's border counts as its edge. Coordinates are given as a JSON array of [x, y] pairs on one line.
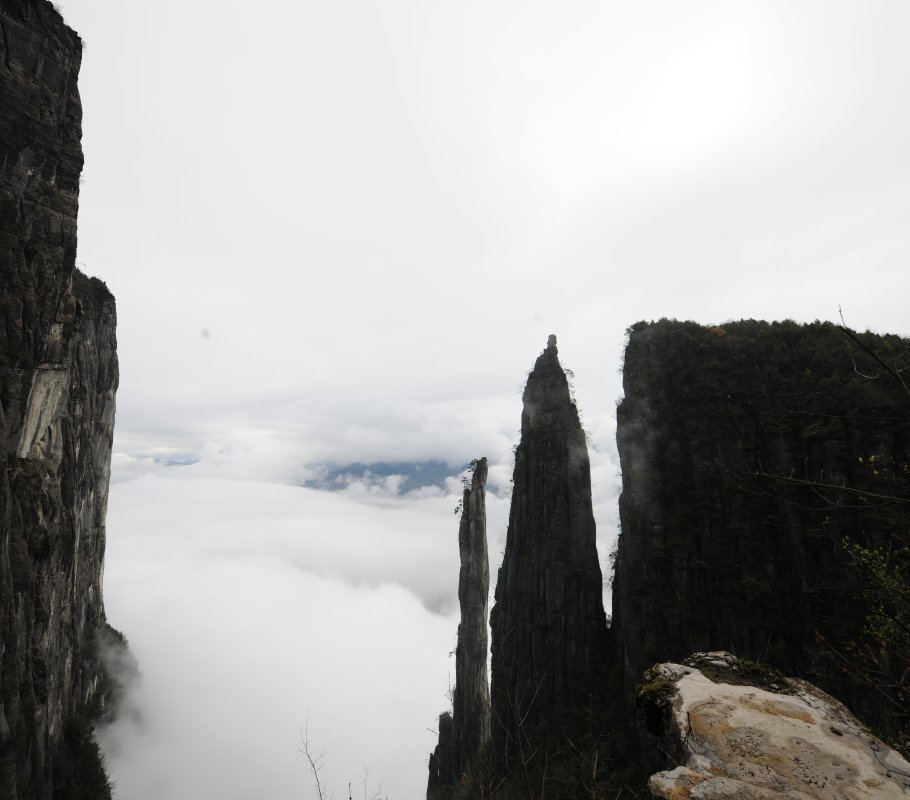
[[342, 231]]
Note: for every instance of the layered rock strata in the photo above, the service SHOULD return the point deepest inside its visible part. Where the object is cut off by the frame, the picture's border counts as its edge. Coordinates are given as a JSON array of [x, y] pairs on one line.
[[549, 650], [732, 740], [754, 458], [58, 376], [465, 733]]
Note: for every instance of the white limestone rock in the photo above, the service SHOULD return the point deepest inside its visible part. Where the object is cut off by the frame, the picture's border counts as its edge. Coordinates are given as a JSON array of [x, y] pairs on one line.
[[749, 743]]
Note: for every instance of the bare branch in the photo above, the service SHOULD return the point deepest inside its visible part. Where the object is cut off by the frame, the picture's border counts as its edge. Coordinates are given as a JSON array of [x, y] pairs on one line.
[[816, 485], [872, 499], [315, 761], [891, 370]]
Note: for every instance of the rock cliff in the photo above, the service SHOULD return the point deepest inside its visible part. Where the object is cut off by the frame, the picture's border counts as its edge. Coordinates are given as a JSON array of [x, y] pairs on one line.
[[764, 511], [762, 464], [549, 649], [464, 735], [471, 698], [58, 376]]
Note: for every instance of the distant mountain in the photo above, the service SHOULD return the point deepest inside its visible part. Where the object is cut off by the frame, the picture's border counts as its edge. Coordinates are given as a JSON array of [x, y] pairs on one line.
[[414, 474]]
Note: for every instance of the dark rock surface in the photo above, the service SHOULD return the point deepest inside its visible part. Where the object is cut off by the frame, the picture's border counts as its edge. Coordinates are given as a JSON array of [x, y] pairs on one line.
[[722, 546], [765, 511], [471, 698], [549, 649], [58, 376], [465, 733], [439, 782]]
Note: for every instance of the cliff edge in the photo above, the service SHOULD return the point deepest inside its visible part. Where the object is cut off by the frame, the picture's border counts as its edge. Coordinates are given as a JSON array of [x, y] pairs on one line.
[[764, 506], [732, 738], [58, 377]]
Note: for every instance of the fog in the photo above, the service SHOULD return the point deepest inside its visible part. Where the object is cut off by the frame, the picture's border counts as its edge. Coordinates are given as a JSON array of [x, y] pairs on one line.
[[254, 607]]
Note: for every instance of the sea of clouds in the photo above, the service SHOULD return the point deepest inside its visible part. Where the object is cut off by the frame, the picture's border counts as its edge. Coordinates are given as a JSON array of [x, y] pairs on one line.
[[256, 609]]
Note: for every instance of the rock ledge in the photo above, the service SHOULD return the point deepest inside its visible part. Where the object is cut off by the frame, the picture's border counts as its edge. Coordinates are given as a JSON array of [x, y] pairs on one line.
[[752, 743]]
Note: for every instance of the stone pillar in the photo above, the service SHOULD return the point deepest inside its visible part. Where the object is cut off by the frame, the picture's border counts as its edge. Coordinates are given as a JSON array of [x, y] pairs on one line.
[[471, 700], [549, 637]]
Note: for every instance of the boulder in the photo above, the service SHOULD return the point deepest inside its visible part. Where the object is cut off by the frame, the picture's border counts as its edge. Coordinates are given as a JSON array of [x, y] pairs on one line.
[[731, 737]]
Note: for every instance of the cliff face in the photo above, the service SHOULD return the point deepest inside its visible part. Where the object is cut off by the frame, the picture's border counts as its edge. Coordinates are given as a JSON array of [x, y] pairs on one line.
[[465, 733], [765, 511], [471, 699], [754, 457], [548, 626], [58, 376]]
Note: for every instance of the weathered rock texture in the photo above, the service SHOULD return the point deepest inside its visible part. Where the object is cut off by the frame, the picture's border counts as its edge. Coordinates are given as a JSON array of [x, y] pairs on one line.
[[465, 733], [440, 782], [548, 626], [58, 375], [471, 698], [722, 545], [743, 742]]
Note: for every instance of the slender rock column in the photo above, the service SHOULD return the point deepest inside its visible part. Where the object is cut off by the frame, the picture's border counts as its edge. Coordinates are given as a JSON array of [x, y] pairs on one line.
[[465, 733], [471, 701], [548, 623]]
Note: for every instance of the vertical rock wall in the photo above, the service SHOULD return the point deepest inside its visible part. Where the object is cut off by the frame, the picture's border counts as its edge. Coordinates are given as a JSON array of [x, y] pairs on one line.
[[471, 699], [465, 733], [58, 376], [722, 547], [548, 625]]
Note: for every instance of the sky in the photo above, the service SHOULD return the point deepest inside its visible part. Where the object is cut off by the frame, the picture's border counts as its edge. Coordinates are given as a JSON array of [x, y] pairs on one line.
[[342, 231]]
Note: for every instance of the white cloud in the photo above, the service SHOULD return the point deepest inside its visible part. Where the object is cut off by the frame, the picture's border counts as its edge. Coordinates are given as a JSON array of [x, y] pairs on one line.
[[236, 655], [250, 605]]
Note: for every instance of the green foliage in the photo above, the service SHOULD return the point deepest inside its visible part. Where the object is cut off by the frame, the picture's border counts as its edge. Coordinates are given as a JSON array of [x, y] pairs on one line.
[[888, 594], [880, 655], [80, 773], [652, 702], [758, 674], [658, 691], [592, 768]]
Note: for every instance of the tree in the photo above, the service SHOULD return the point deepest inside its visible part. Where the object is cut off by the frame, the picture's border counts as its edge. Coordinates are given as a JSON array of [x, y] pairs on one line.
[[316, 763], [875, 547], [315, 760]]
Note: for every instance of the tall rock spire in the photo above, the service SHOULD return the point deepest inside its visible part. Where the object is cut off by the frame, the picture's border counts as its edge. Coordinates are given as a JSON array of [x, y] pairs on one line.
[[466, 732], [548, 623], [471, 700]]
